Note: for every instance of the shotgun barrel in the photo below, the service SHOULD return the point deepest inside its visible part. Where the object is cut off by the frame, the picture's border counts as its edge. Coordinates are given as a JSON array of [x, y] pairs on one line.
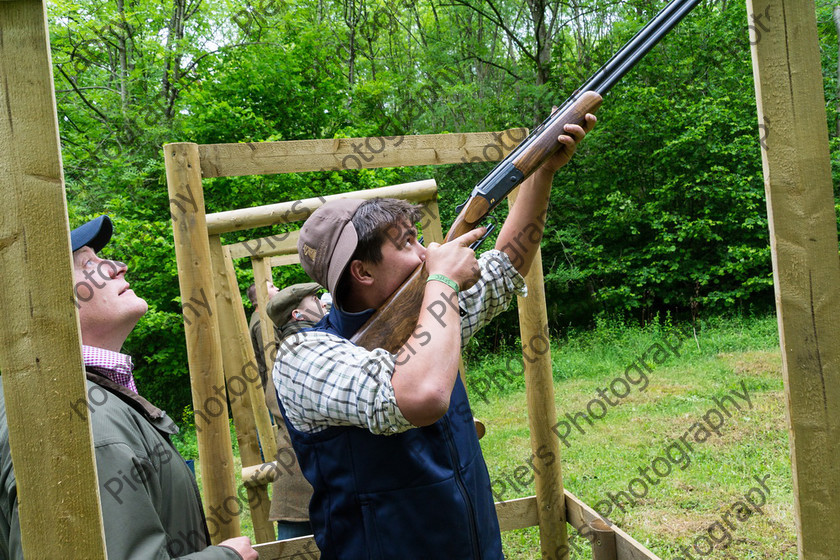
[[394, 321], [515, 168]]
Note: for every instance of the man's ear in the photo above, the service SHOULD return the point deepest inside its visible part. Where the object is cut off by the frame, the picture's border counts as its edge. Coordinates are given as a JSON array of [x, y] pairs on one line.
[[360, 273]]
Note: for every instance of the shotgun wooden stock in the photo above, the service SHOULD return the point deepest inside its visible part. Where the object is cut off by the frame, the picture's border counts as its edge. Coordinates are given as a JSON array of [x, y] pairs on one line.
[[392, 324]]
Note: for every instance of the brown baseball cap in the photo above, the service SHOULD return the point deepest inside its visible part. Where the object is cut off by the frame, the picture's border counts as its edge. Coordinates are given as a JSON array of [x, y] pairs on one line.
[[281, 305], [328, 240]]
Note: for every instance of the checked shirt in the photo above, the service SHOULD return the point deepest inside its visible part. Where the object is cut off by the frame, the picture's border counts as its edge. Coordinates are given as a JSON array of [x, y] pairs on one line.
[[324, 380]]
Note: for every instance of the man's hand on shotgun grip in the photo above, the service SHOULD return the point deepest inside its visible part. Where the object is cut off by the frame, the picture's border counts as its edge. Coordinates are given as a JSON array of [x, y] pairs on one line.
[[455, 259]]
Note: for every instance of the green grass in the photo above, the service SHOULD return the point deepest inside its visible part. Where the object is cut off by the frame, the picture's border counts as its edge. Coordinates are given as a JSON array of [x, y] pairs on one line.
[[695, 488], [685, 502]]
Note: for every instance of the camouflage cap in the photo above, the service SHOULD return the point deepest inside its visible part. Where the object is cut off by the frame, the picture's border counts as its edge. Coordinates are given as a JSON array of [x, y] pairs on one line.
[[328, 240], [281, 305]]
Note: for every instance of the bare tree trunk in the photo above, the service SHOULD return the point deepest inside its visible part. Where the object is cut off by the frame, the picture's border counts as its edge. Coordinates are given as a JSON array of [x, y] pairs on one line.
[[172, 71], [543, 40], [354, 15], [122, 44]]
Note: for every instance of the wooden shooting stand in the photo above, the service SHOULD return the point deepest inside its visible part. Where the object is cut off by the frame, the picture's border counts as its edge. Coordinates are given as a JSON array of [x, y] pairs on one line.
[[219, 346], [40, 354]]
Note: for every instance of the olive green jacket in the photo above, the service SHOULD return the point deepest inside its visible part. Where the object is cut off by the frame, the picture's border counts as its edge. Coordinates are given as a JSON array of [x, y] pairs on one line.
[[151, 508]]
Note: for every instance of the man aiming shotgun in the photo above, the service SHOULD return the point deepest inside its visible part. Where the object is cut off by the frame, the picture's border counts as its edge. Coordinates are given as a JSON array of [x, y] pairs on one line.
[[383, 430], [386, 445]]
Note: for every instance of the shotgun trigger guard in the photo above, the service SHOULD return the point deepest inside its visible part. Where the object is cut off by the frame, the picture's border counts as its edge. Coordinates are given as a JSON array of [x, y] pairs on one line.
[[492, 226]]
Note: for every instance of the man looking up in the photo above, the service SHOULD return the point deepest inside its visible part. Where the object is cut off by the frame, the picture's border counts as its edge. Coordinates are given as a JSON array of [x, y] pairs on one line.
[[387, 440], [151, 507]]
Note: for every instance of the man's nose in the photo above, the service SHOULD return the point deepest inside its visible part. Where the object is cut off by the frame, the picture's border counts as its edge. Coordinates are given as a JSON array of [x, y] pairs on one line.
[[117, 268]]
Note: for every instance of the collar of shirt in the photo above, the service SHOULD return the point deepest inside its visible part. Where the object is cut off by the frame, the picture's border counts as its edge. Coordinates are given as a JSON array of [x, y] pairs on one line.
[[115, 366]]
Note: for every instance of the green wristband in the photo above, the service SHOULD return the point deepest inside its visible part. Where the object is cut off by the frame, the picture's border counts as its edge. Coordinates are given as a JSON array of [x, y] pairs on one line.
[[441, 278]]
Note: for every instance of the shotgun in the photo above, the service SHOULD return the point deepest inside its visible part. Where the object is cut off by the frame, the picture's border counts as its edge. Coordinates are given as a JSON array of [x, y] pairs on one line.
[[395, 320]]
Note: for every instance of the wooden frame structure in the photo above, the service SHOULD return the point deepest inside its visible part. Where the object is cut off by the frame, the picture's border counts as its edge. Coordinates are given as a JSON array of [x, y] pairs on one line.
[[41, 331], [218, 340]]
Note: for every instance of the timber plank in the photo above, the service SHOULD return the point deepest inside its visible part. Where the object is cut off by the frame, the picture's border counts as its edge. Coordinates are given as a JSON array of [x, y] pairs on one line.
[[295, 156]]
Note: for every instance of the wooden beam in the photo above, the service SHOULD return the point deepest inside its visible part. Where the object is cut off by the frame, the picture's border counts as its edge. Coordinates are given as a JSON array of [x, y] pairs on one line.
[[263, 158], [513, 514], [542, 414], [580, 516], [806, 268], [256, 390], [242, 379], [207, 381], [299, 210], [280, 244], [40, 350], [262, 276], [283, 260]]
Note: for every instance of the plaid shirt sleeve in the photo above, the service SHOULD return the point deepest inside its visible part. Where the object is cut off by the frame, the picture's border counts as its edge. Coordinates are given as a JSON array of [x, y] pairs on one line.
[[324, 380]]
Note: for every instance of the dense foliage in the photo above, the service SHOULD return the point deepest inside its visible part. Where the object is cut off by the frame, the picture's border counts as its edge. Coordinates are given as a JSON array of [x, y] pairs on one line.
[[661, 210]]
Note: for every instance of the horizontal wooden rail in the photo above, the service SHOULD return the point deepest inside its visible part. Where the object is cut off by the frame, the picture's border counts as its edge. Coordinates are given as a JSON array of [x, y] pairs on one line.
[[279, 244], [296, 156], [283, 260], [285, 212], [513, 514]]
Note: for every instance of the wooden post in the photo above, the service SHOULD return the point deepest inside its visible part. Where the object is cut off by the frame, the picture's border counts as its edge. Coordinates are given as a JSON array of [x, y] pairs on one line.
[[192, 252], [40, 352], [806, 269], [255, 386], [603, 540], [241, 375], [542, 415], [262, 275]]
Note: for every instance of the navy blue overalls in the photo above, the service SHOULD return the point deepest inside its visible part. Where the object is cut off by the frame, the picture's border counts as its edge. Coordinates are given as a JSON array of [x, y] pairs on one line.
[[421, 494]]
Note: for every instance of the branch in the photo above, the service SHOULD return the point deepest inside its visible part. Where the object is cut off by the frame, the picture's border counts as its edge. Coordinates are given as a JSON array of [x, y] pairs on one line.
[[72, 83], [499, 21], [493, 64]]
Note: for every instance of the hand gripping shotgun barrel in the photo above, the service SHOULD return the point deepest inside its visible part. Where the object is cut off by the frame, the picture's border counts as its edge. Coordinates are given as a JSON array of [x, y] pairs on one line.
[[394, 321]]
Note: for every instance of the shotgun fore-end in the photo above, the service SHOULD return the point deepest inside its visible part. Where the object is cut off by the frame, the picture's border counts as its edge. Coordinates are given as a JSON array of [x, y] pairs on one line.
[[546, 144]]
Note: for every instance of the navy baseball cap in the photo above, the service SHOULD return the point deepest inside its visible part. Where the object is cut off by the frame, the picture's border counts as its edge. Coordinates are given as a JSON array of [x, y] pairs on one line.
[[95, 234]]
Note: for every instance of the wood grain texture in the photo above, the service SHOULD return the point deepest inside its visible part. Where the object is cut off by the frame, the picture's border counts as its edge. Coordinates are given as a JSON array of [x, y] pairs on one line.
[[546, 144], [207, 381], [539, 389], [262, 273], [40, 350], [806, 269], [279, 244], [295, 156], [242, 379]]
